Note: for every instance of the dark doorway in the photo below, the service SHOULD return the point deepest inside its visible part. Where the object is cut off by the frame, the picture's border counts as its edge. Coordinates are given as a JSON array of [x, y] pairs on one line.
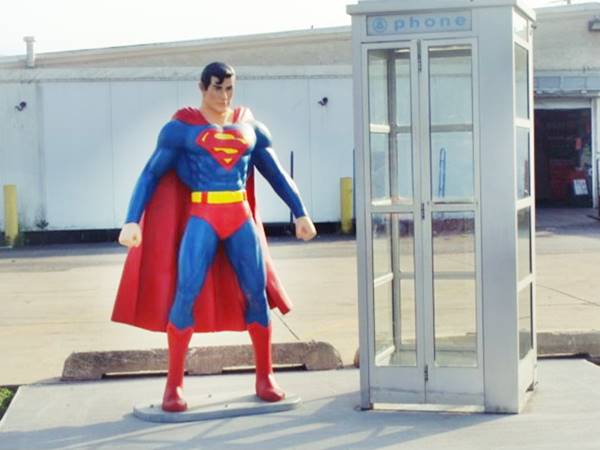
[[563, 157]]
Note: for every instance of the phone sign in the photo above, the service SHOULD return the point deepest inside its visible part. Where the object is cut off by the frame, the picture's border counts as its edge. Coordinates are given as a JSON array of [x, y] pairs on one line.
[[418, 23]]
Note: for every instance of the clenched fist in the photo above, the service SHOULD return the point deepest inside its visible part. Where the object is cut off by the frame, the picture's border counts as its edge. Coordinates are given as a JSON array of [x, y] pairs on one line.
[[131, 235], [305, 229]]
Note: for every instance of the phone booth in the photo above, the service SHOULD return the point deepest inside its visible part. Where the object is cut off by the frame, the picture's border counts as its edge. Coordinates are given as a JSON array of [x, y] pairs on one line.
[[445, 202]]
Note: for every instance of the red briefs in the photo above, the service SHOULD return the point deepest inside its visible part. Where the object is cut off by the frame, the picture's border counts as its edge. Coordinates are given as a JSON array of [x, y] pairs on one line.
[[225, 218]]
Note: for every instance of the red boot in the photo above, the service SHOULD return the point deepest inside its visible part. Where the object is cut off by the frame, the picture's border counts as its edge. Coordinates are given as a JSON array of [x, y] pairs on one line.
[[178, 345], [266, 386]]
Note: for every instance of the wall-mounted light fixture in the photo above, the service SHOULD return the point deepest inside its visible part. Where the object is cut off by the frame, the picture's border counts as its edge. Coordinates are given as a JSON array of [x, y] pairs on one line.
[[323, 101], [594, 24], [21, 106]]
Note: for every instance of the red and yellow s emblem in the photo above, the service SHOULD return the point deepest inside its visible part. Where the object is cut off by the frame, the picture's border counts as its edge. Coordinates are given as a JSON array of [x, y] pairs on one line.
[[225, 146]]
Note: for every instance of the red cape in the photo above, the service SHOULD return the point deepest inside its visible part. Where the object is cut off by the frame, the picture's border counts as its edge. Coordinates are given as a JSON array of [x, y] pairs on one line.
[[149, 278]]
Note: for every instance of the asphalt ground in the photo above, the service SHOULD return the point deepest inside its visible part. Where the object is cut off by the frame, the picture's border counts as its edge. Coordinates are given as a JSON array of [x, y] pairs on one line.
[[56, 300]]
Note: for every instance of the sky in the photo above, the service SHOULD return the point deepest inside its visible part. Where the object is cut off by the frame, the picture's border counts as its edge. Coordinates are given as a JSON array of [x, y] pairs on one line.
[[59, 25]]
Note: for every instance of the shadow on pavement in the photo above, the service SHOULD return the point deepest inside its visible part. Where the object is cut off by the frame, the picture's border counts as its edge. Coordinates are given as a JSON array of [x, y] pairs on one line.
[[331, 422]]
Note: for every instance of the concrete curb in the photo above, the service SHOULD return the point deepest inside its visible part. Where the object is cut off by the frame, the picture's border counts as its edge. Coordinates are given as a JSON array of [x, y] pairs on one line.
[[554, 343], [200, 360], [569, 343]]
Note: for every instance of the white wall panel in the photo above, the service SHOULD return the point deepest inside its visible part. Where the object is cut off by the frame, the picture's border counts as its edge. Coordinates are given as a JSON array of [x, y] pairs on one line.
[[19, 152], [96, 137], [139, 111], [562, 40], [282, 105], [331, 142], [188, 93], [78, 153]]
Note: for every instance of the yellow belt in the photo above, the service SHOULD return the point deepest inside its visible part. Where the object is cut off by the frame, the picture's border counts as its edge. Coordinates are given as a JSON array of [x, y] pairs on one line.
[[219, 197]]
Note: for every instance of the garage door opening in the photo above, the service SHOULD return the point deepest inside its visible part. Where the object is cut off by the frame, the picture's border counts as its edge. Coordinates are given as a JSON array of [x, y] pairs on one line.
[[563, 157]]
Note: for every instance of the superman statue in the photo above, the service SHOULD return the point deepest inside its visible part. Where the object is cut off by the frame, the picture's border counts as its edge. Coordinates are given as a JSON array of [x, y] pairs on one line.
[[198, 259]]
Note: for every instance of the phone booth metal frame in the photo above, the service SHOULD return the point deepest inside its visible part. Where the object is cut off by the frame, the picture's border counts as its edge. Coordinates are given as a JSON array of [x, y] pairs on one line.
[[443, 120]]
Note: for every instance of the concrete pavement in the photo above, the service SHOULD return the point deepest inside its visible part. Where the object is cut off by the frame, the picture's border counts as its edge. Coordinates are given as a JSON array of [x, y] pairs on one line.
[[564, 413]]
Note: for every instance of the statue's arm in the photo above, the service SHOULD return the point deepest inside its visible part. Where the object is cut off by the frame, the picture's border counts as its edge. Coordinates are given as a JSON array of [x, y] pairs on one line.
[[162, 160], [267, 163]]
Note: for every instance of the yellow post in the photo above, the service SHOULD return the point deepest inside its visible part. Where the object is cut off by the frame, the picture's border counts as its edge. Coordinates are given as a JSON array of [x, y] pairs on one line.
[[11, 217], [346, 204]]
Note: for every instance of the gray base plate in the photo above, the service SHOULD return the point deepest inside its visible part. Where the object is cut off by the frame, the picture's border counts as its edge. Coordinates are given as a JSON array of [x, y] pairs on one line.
[[216, 406]]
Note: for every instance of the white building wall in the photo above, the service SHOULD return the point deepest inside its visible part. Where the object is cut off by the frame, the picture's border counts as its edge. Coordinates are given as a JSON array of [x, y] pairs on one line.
[[331, 144], [282, 105], [78, 155], [139, 109], [562, 40], [86, 143], [20, 163]]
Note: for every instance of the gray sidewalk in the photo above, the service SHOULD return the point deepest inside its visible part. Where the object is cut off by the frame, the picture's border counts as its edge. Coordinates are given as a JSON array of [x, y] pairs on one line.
[[564, 413]]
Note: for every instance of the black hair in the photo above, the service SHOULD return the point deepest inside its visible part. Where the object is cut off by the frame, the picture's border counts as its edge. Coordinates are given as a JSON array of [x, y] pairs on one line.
[[216, 69]]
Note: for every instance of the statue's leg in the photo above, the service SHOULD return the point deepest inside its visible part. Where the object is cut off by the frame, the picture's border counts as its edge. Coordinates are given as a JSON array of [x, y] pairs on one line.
[[196, 253], [244, 252]]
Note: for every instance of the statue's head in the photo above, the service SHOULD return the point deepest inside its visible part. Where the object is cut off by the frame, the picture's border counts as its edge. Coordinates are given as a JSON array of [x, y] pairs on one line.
[[216, 83], [219, 70]]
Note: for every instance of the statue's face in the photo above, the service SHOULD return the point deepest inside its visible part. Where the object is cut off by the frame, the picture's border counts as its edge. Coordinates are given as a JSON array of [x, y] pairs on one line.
[[218, 96]]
